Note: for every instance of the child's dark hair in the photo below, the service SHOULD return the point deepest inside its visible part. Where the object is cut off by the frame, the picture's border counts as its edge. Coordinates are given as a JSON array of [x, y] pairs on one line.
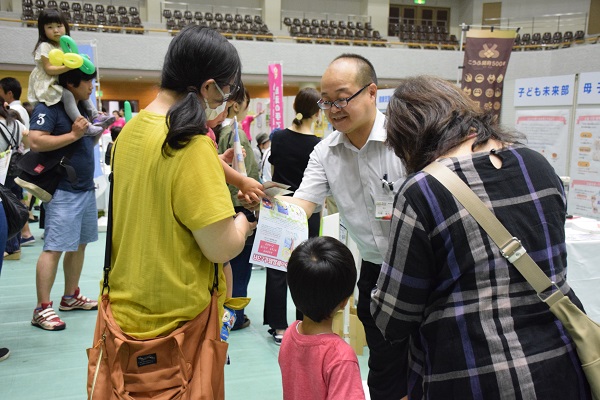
[[195, 55], [48, 16], [305, 103], [114, 132], [321, 273]]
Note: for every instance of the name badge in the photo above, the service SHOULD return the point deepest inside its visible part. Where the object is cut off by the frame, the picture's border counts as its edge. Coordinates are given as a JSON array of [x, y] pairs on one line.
[[384, 207]]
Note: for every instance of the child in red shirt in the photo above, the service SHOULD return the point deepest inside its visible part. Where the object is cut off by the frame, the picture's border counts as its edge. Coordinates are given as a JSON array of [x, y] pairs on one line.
[[316, 363]]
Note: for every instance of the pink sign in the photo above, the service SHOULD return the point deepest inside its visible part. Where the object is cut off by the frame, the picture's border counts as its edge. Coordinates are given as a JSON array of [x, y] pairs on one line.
[[276, 94], [268, 248]]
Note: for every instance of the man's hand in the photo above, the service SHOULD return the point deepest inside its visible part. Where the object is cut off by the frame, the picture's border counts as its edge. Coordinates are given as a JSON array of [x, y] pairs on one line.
[[79, 127], [250, 193]]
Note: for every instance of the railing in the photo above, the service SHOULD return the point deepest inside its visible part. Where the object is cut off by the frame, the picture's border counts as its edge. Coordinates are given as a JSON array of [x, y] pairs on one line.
[[544, 23], [590, 39]]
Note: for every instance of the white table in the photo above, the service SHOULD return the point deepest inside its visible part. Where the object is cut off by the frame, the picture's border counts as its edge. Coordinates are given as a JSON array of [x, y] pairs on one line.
[[583, 269]]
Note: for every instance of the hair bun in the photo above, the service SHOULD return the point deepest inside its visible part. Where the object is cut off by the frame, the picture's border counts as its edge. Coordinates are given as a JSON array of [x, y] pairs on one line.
[[299, 116]]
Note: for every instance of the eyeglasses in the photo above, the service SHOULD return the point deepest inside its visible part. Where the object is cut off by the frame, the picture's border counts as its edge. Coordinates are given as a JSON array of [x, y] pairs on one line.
[[339, 103], [232, 91]]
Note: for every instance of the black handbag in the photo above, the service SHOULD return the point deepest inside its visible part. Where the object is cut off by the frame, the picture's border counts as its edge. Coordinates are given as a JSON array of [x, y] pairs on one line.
[[13, 169], [16, 212], [42, 172]]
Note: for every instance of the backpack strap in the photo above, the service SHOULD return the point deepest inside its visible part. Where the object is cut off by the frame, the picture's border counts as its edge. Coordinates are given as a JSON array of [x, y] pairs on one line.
[[8, 136]]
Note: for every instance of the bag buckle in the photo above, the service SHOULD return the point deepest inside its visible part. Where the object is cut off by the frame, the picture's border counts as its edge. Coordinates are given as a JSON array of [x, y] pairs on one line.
[[543, 297], [512, 250]]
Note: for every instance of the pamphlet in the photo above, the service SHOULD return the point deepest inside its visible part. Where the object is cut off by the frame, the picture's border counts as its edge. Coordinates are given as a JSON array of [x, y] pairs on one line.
[[281, 227]]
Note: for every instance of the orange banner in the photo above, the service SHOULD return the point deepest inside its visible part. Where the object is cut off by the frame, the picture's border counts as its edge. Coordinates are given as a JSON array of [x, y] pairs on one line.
[[484, 69]]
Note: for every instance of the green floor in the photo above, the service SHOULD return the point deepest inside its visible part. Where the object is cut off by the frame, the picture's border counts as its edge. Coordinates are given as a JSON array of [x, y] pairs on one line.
[[52, 365]]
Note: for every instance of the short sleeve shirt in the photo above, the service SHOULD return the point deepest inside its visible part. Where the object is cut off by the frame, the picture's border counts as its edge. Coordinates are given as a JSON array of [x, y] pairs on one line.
[[336, 167], [55, 120]]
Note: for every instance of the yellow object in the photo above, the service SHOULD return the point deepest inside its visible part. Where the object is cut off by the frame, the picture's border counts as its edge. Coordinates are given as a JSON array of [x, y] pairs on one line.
[[237, 303], [356, 331], [71, 60]]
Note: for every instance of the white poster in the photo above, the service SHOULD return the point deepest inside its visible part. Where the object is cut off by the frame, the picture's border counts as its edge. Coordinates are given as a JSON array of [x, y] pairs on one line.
[[584, 193], [547, 131], [383, 99]]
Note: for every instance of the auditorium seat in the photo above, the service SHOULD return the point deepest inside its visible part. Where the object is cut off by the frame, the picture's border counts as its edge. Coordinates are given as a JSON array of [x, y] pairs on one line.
[[579, 37], [567, 39], [52, 4]]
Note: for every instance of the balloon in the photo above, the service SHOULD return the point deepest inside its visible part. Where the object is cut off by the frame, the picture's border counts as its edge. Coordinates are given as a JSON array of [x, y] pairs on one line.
[[127, 110], [70, 57], [68, 45], [71, 60], [88, 66]]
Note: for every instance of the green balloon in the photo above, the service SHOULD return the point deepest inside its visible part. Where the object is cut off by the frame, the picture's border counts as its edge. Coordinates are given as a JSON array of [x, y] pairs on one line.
[[127, 110]]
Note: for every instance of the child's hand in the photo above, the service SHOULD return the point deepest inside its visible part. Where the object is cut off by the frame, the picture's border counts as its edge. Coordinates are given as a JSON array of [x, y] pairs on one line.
[[79, 126], [227, 156], [251, 190]]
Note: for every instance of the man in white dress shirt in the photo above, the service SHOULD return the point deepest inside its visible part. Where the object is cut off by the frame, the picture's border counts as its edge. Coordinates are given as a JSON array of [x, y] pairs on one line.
[[355, 166]]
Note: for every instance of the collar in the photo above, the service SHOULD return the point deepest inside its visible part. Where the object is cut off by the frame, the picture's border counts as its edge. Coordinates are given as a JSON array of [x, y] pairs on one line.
[[377, 134], [15, 103]]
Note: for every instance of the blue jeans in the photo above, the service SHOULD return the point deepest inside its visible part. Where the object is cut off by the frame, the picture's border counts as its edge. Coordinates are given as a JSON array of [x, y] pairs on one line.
[[3, 233], [241, 269]]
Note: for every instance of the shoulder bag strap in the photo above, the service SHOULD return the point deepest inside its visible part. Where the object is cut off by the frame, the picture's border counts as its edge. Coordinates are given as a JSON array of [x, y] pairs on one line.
[[509, 245], [109, 225], [109, 230]]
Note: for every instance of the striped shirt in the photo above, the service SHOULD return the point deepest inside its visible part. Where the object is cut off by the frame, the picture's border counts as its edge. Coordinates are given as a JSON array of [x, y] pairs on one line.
[[475, 327]]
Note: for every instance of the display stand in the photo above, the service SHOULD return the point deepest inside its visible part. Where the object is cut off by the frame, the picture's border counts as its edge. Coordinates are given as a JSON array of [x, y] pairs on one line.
[[346, 323]]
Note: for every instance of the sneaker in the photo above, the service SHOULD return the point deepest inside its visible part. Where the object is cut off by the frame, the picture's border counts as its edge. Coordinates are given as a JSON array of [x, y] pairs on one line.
[[45, 318], [4, 353], [27, 241], [77, 302], [104, 121], [93, 130], [277, 337]]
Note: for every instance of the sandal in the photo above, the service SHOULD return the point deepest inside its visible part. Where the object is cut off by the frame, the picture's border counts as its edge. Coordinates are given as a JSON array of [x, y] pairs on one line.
[[245, 324], [15, 255]]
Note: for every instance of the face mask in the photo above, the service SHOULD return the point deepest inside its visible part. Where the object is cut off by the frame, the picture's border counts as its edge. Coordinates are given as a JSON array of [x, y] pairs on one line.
[[212, 113]]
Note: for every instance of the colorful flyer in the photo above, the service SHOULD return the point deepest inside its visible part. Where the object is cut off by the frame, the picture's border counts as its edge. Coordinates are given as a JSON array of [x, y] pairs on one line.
[[584, 193], [547, 131], [281, 227]]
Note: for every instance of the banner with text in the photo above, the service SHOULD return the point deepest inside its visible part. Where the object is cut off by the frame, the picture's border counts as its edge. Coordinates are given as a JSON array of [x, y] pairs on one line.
[[276, 96], [484, 68], [545, 91], [589, 88]]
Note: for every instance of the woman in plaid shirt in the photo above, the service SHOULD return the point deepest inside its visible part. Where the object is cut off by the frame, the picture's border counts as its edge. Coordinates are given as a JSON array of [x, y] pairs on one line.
[[474, 326]]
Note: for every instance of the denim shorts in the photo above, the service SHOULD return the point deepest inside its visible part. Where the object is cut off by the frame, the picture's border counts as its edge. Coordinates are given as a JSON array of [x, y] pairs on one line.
[[71, 219]]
